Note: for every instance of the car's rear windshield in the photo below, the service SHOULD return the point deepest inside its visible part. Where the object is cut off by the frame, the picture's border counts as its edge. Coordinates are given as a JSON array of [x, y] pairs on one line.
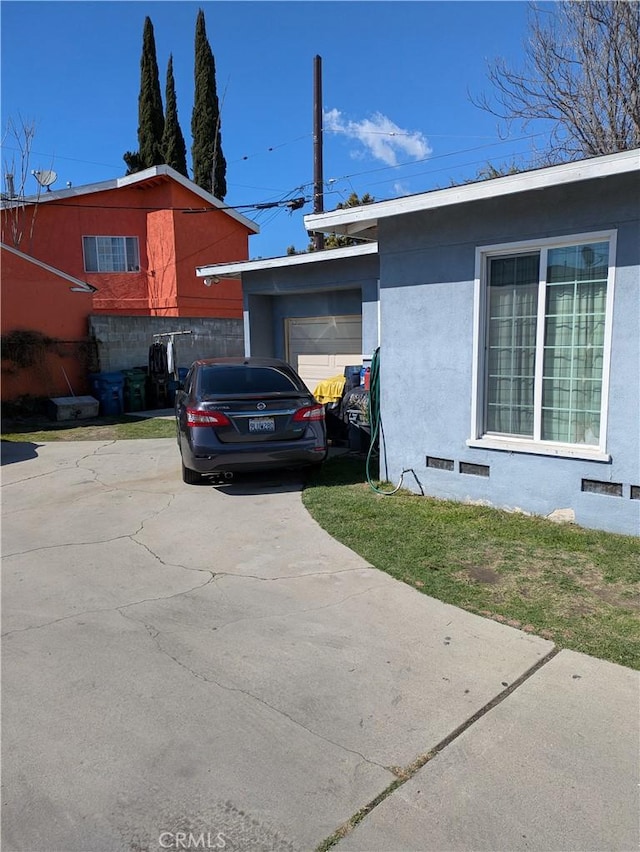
[[228, 380]]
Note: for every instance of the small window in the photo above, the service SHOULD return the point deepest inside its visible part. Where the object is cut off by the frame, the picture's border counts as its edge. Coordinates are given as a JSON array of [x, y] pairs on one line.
[[111, 254]]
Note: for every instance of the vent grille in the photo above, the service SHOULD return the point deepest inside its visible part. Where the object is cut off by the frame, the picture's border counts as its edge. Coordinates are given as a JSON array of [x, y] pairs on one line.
[[440, 464], [474, 469], [595, 486]]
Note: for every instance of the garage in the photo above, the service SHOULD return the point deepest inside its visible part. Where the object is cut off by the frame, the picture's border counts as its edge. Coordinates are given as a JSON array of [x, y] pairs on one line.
[[317, 310], [321, 347]]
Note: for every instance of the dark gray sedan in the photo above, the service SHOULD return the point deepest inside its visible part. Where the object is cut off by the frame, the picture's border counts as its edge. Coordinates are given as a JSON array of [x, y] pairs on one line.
[[247, 414]]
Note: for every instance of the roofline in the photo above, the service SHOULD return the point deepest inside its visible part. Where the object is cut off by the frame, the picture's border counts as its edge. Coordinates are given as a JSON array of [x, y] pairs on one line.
[[79, 286], [352, 220], [232, 270], [140, 177]]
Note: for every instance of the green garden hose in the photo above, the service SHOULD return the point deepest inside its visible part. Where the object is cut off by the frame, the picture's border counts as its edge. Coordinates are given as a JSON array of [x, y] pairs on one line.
[[375, 422]]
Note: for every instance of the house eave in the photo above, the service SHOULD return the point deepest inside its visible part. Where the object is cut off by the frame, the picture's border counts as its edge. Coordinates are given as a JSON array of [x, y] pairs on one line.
[[235, 270], [358, 221], [145, 176]]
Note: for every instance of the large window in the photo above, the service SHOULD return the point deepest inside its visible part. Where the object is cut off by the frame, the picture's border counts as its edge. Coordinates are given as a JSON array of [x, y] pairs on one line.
[[543, 342], [111, 254]]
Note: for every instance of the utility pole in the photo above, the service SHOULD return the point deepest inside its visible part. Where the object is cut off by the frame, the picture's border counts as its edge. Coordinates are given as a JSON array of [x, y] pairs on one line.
[[318, 180]]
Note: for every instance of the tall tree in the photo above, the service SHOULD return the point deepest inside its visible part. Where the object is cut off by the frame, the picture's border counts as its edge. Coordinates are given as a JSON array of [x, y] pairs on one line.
[[150, 115], [174, 150], [581, 75], [209, 164]]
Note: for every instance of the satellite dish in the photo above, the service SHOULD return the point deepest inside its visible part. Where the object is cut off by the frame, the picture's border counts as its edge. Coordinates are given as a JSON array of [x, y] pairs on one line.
[[45, 178]]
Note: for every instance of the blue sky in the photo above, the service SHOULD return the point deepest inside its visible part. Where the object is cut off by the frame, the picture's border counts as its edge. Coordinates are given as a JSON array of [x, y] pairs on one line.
[[396, 82]]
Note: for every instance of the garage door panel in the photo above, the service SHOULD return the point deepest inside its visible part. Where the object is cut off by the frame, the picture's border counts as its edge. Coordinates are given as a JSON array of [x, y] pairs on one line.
[[321, 347], [329, 330], [315, 368]]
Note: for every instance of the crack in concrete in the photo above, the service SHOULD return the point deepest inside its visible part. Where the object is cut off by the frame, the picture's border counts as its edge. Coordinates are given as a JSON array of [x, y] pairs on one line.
[[295, 576], [132, 535], [297, 611], [155, 635], [58, 470], [45, 547], [405, 774], [112, 608]]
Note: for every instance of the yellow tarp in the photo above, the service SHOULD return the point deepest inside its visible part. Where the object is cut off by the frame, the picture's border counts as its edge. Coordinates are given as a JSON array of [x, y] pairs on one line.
[[330, 390]]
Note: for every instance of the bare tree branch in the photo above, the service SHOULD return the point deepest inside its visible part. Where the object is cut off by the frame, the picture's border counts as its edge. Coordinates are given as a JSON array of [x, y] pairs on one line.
[[580, 76], [20, 134]]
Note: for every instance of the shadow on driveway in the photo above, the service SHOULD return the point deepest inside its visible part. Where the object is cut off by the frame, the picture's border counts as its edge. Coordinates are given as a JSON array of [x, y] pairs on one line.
[[17, 451], [267, 482]]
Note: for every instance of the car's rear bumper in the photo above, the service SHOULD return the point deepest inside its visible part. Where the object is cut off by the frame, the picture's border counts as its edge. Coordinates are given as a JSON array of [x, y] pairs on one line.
[[237, 460]]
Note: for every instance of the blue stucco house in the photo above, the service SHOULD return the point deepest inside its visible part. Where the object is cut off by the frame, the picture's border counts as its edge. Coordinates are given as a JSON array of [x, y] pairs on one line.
[[508, 318]]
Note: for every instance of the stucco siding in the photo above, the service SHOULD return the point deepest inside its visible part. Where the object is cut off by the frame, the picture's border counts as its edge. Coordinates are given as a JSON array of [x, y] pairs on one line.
[[427, 271], [344, 287]]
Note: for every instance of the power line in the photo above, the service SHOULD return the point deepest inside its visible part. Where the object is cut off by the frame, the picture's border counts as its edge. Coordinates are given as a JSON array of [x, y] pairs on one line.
[[292, 204]]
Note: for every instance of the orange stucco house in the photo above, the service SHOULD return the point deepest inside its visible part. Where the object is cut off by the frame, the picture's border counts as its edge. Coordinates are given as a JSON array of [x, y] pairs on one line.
[[121, 250], [136, 240], [46, 310]]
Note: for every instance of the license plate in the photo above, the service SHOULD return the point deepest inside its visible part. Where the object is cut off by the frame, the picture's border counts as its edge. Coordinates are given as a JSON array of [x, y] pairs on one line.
[[262, 424]]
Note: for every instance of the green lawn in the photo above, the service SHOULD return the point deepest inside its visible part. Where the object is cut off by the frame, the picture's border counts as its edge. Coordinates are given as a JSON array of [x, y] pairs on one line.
[[39, 429], [578, 587]]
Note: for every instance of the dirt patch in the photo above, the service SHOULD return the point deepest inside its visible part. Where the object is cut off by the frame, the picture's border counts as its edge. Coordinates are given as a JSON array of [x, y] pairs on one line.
[[616, 597], [483, 575]]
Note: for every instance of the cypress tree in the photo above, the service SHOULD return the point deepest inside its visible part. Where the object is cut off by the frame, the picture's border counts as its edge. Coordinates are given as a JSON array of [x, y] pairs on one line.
[[174, 150], [209, 164], [150, 115]]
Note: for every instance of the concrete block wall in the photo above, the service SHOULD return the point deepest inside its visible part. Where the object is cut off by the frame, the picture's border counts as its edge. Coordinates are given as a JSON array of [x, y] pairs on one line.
[[123, 342]]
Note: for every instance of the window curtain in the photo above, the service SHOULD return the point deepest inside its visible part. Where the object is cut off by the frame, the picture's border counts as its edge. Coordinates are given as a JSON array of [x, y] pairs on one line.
[[513, 310], [574, 343]]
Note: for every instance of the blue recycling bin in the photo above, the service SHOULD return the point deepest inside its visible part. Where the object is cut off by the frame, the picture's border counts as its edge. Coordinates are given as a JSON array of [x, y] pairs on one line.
[[108, 388]]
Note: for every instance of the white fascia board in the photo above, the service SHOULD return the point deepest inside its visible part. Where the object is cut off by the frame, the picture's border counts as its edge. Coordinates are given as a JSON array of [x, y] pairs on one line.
[[78, 286], [129, 180], [234, 270], [351, 220]]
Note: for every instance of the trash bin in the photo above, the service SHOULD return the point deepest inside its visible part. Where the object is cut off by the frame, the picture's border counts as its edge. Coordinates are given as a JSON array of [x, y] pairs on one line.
[[135, 389], [108, 389]]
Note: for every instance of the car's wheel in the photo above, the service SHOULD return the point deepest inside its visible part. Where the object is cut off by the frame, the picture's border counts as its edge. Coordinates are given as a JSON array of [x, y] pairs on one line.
[[191, 477]]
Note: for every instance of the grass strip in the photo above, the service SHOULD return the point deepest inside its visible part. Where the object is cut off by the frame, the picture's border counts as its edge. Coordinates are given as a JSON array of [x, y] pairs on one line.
[[117, 428], [579, 588]]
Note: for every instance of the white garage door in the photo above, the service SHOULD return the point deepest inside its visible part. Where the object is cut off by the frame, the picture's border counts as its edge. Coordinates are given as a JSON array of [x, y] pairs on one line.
[[321, 347]]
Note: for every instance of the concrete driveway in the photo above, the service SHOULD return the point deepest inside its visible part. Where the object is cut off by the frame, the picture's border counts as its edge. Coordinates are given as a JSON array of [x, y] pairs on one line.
[[203, 667]]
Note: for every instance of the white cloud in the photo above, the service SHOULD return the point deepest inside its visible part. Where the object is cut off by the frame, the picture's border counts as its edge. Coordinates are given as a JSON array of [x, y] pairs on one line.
[[401, 188], [381, 137]]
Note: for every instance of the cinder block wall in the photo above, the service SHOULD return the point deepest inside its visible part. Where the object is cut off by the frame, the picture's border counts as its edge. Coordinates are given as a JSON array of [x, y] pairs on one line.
[[123, 342]]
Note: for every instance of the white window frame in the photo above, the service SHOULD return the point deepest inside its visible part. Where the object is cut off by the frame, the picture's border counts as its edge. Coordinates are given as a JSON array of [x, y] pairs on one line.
[[111, 237], [535, 445]]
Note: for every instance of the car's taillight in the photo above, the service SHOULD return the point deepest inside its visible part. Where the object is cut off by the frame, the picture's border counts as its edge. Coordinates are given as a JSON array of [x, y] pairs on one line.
[[309, 412], [200, 417]]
